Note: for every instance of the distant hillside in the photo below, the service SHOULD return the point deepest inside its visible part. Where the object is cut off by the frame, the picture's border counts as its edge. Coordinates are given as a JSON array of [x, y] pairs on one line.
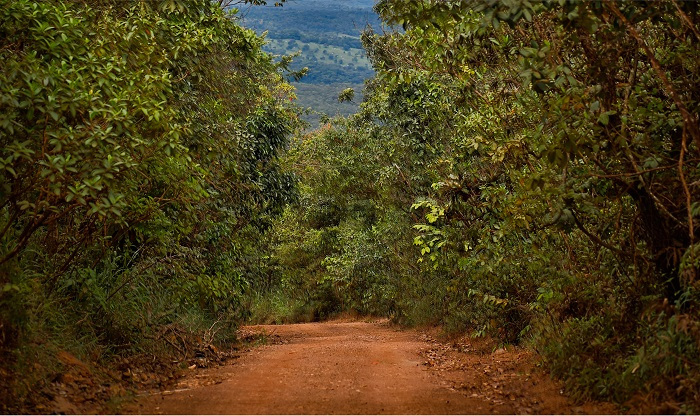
[[336, 23], [327, 33]]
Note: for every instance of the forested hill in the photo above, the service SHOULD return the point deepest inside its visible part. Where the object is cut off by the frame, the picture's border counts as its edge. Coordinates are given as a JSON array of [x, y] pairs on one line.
[[327, 34], [326, 22]]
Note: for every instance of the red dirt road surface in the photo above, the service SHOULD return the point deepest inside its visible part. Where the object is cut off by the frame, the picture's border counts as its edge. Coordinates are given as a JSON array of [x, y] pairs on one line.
[[365, 368]]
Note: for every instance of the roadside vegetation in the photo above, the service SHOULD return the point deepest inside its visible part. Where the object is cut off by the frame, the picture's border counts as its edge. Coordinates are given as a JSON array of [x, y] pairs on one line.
[[529, 172], [139, 167], [524, 171]]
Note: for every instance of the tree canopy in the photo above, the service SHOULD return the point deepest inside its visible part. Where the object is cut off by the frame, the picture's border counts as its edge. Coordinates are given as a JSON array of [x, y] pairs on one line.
[[524, 170], [139, 159]]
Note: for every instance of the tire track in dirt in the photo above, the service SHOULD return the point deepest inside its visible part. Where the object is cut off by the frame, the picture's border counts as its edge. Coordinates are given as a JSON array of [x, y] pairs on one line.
[[349, 368]]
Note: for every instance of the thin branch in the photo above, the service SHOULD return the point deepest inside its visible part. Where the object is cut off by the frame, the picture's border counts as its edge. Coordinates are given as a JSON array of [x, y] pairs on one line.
[[631, 174], [684, 182], [689, 120], [597, 239], [686, 19]]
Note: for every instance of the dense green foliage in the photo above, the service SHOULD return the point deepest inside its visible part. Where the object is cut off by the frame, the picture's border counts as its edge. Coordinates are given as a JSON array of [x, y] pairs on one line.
[[138, 165], [525, 170]]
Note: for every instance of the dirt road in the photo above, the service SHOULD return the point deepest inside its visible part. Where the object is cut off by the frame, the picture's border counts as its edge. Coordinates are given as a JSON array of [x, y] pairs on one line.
[[364, 368]]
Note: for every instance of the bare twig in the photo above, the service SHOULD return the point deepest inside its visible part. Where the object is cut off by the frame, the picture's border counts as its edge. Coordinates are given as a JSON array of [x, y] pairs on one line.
[[689, 120], [597, 239], [688, 197]]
